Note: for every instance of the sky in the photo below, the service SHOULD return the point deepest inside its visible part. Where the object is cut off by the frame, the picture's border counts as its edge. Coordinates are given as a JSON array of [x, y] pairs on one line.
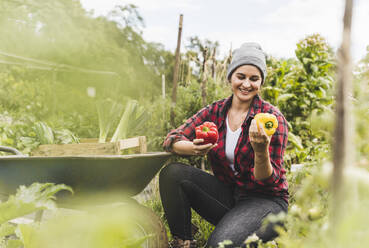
[[276, 24]]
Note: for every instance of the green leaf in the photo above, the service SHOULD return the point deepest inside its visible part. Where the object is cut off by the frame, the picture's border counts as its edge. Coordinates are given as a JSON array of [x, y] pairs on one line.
[[140, 118], [295, 140], [44, 133], [14, 243], [133, 119], [65, 136], [306, 60], [285, 97], [322, 93], [27, 234], [30, 199], [107, 111], [6, 229], [314, 68], [122, 130]]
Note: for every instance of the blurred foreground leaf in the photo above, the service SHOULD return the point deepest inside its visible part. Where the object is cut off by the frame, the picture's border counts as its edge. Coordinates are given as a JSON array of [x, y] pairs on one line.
[[115, 227], [30, 199]]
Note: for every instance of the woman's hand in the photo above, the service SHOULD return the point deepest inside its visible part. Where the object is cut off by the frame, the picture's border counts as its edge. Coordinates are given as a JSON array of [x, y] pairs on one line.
[[199, 149], [258, 138], [186, 147]]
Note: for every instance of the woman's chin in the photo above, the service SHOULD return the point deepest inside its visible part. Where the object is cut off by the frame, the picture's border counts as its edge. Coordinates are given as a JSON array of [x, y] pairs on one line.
[[245, 96]]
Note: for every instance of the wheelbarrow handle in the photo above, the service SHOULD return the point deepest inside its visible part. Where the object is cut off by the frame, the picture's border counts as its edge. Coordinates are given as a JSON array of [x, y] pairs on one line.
[[10, 149]]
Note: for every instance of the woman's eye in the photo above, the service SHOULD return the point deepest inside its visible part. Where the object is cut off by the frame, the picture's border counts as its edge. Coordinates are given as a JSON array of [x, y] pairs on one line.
[[254, 79], [241, 77]]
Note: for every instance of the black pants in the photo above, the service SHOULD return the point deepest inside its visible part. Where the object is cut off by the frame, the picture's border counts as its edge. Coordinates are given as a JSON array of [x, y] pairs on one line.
[[183, 187]]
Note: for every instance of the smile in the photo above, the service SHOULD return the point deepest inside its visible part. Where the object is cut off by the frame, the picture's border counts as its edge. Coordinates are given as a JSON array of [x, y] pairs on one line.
[[245, 91]]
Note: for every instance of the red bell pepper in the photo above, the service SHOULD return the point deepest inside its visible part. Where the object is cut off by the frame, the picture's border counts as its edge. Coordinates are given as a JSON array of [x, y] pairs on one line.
[[207, 131]]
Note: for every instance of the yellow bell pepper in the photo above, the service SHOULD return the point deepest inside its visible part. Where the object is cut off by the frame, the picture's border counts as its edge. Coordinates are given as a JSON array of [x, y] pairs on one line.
[[268, 121]]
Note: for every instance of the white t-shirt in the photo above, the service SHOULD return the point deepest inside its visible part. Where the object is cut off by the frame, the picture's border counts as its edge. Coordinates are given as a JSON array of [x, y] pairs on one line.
[[231, 142]]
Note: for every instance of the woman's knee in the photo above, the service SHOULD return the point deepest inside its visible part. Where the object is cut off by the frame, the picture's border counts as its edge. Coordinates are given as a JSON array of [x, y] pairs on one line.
[[171, 172], [244, 220]]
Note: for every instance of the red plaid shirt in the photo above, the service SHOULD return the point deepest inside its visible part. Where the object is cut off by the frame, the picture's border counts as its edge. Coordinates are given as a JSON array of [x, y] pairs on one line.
[[276, 184]]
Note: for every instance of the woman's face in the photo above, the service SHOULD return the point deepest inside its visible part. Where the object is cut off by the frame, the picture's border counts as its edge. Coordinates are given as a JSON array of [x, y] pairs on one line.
[[246, 82]]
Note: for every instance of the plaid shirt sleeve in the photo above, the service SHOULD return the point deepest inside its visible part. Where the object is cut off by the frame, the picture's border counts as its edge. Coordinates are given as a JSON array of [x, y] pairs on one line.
[[277, 147], [187, 130]]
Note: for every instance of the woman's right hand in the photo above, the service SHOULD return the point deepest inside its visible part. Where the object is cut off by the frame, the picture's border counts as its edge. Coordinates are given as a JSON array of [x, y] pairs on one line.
[[184, 147], [199, 149]]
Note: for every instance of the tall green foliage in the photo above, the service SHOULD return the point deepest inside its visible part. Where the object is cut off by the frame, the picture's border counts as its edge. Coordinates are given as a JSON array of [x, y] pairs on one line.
[[303, 90], [45, 77], [63, 32]]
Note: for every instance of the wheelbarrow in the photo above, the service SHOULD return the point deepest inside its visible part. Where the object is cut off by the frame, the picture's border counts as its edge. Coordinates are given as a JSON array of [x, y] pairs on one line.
[[124, 175]]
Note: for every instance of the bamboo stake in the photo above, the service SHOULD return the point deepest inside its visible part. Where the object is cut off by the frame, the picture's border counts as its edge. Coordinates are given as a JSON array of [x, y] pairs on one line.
[[343, 144], [163, 95], [204, 77], [203, 90], [189, 70], [163, 86], [225, 63], [182, 72], [175, 74], [213, 65], [214, 70]]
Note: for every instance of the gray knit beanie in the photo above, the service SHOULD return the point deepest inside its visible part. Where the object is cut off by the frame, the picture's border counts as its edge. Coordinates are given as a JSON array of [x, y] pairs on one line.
[[250, 53]]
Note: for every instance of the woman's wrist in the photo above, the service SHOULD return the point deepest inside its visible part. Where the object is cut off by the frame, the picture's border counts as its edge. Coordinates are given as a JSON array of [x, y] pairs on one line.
[[263, 168], [183, 147], [262, 152]]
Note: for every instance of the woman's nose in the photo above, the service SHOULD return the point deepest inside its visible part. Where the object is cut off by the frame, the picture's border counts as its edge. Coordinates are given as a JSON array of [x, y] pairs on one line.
[[246, 83]]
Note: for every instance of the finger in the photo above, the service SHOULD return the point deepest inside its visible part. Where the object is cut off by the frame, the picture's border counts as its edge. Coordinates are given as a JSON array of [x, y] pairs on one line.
[[212, 146], [198, 141], [203, 147], [253, 130], [253, 127], [254, 137], [262, 131]]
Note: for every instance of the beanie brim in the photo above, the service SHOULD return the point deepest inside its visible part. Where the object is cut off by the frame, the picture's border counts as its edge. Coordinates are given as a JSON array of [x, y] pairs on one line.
[[247, 60]]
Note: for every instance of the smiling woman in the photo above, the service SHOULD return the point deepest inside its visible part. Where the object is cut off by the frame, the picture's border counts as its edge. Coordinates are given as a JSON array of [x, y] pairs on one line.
[[249, 179], [246, 82]]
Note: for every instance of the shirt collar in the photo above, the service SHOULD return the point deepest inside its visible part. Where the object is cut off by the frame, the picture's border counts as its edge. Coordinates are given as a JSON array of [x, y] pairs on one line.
[[225, 107], [255, 108]]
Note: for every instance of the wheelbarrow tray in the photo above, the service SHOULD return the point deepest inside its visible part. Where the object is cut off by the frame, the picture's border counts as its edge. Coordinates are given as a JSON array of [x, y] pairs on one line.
[[85, 174]]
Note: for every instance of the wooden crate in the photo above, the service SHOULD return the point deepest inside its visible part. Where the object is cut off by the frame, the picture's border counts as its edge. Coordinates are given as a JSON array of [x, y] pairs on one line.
[[92, 147]]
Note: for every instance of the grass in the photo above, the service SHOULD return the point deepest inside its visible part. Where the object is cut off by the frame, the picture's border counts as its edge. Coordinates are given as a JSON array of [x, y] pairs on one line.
[[154, 202]]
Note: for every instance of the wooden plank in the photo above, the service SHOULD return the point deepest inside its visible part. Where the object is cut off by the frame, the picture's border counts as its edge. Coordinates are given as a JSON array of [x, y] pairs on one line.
[[143, 145], [77, 149], [129, 143], [91, 147]]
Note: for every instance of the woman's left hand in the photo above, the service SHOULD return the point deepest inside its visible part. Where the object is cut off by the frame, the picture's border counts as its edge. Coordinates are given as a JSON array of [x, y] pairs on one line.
[[258, 138]]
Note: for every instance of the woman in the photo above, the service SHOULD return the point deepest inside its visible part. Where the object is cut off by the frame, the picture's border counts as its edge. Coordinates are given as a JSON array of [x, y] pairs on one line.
[[249, 179]]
